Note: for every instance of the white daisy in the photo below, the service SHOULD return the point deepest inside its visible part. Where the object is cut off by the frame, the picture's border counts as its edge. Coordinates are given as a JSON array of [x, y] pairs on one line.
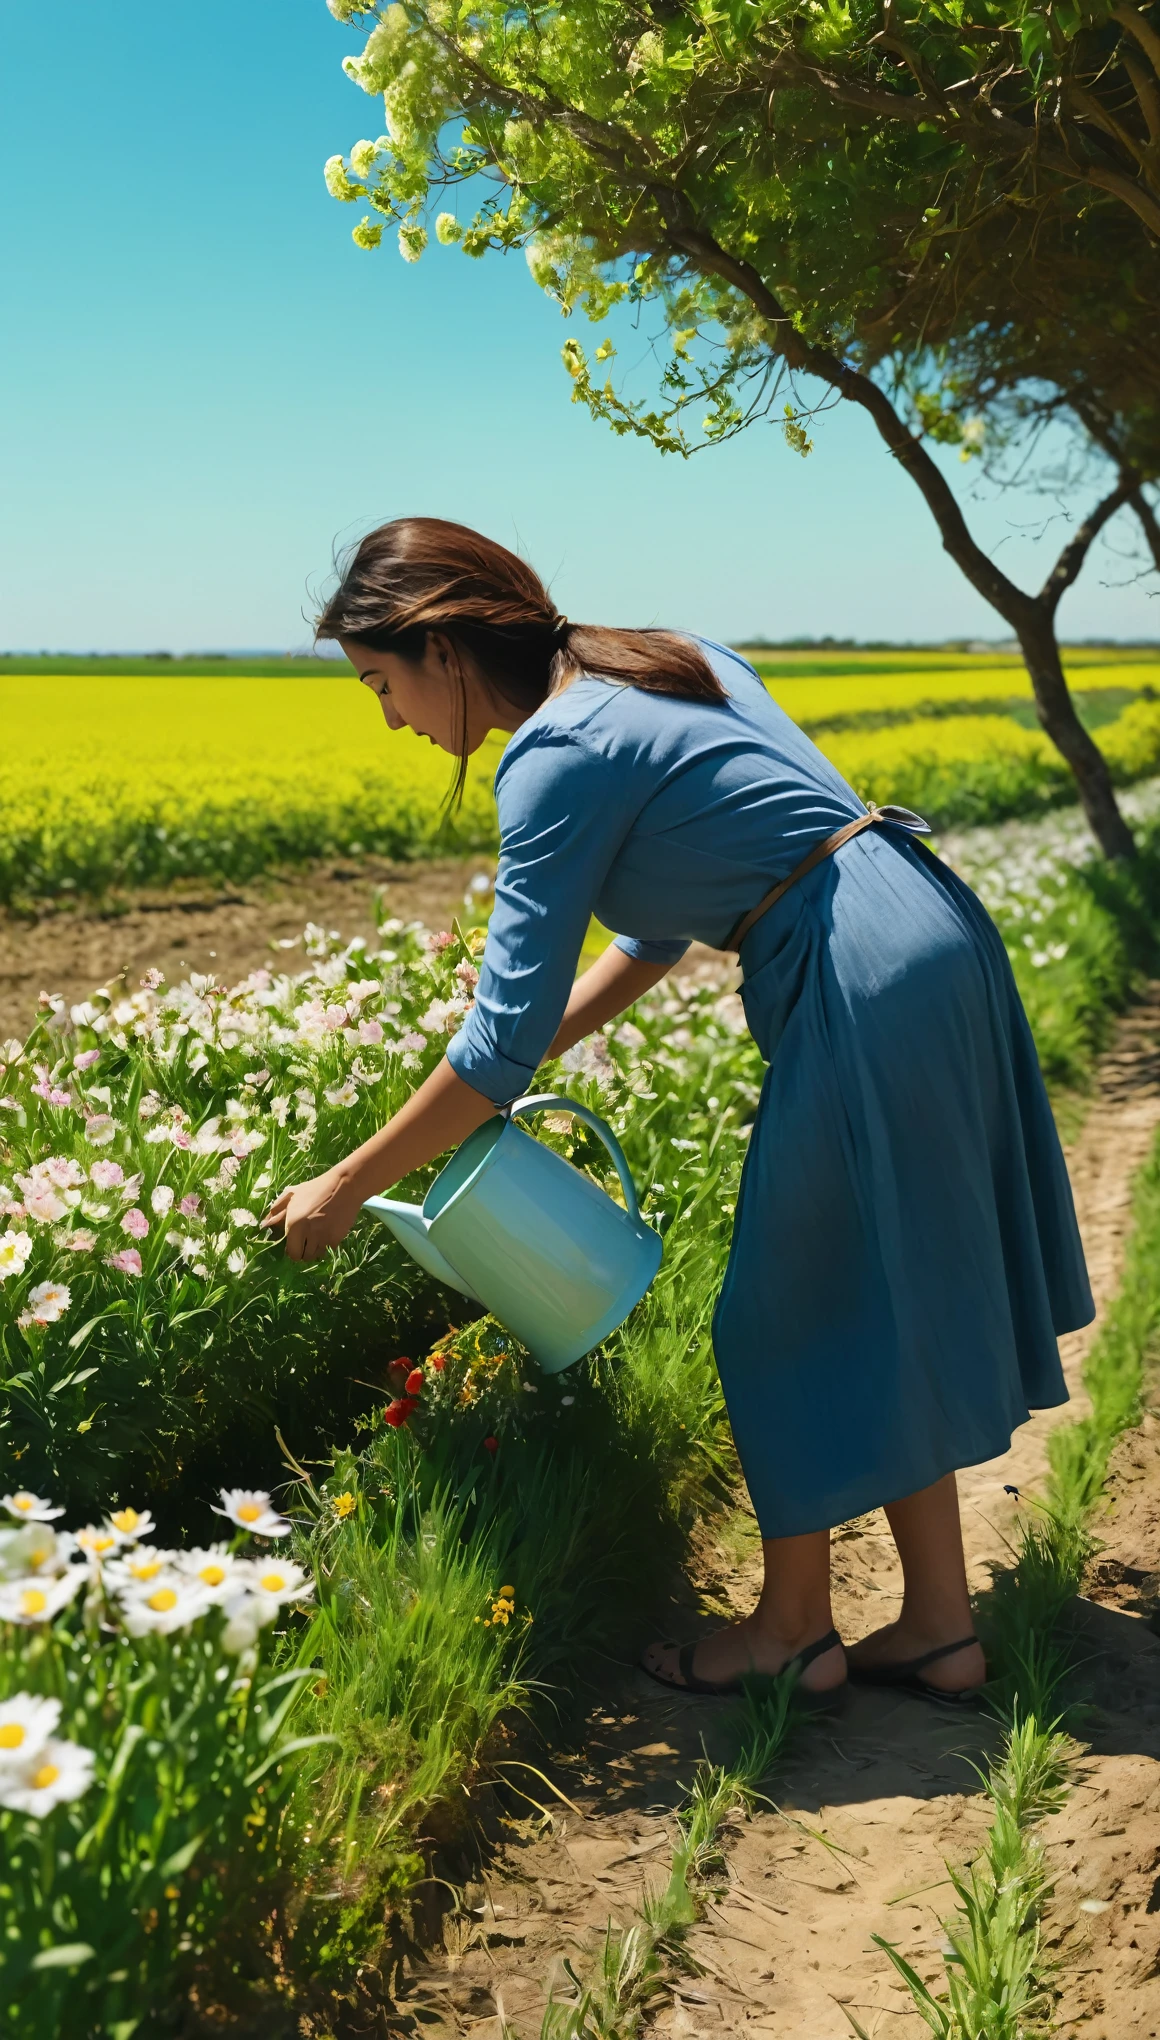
[[159, 1609], [26, 1722], [29, 1601], [251, 1509], [217, 1569], [130, 1525], [34, 1548], [15, 1247], [29, 1508], [97, 1542], [60, 1771], [48, 1302], [138, 1567], [274, 1581]]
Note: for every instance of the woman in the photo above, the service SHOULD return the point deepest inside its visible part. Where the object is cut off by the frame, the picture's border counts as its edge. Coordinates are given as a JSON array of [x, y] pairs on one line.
[[905, 1248]]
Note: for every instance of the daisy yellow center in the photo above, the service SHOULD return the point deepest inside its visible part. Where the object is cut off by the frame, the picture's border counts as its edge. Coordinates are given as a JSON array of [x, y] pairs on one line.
[[102, 1543], [147, 1569], [22, 1502], [213, 1575], [163, 1600], [11, 1735], [125, 1520], [46, 1776], [33, 1602], [272, 1582], [248, 1512]]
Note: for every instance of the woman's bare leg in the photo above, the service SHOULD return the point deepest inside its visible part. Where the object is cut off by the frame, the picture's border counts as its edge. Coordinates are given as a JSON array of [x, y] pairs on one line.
[[936, 1606], [793, 1612]]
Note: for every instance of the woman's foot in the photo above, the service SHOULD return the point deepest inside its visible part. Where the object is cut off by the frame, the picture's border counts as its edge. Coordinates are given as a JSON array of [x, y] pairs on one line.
[[745, 1650], [901, 1642]]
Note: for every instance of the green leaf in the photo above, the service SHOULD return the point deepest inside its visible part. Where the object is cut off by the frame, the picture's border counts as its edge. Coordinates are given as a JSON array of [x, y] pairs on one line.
[[67, 1955], [183, 1857]]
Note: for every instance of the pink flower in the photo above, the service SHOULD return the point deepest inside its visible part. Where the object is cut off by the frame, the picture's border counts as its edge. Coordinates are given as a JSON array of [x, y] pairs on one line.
[[81, 1241], [180, 1138], [86, 1058], [63, 1171], [190, 1206], [107, 1175], [436, 944], [468, 976], [370, 1033], [135, 1224], [411, 1041], [151, 980], [127, 1262]]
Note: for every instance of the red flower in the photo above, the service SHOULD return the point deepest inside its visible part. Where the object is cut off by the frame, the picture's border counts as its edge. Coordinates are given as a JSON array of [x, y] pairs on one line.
[[438, 1362], [396, 1413], [399, 1369], [491, 1445], [414, 1381]]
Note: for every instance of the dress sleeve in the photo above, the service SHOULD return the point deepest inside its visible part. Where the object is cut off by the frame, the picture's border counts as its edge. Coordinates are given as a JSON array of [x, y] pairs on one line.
[[644, 951], [564, 811]]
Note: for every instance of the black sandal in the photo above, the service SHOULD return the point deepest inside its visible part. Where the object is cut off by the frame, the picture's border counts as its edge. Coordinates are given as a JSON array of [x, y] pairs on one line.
[[723, 1689], [904, 1677]]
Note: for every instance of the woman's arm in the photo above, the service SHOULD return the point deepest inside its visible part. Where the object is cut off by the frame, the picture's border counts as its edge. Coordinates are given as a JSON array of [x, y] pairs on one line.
[[612, 983], [443, 1111]]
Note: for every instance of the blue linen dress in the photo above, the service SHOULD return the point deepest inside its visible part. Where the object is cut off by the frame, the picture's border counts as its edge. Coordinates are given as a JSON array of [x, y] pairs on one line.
[[905, 1249]]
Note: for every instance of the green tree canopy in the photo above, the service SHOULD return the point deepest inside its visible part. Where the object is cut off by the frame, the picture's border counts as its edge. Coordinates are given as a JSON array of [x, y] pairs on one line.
[[804, 188]]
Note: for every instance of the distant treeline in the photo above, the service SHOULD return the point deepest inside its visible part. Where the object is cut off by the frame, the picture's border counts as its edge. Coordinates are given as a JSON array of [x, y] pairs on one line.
[[179, 665]]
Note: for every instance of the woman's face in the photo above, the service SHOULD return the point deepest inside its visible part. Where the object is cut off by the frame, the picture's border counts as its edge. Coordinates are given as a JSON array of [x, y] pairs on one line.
[[429, 695]]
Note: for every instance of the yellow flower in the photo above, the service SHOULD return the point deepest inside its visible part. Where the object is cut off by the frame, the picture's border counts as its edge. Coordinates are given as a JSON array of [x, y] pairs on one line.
[[344, 1504]]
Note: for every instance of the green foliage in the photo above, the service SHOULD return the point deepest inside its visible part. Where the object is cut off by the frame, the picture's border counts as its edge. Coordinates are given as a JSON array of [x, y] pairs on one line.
[[109, 1898]]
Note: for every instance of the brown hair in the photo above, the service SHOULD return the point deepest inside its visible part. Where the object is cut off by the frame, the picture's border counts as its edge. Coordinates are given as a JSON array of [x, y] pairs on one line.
[[419, 574]]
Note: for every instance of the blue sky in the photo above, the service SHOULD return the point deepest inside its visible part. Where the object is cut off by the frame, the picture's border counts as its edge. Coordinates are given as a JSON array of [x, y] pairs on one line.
[[207, 385]]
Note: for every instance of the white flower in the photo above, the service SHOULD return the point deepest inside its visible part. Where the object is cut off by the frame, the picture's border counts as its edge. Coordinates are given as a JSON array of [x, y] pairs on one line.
[[362, 158], [342, 1094], [26, 1723], [60, 1771], [97, 1542], [36, 1548], [130, 1525], [448, 229], [28, 1601], [158, 1609], [161, 1199], [236, 1262], [47, 1302], [100, 1129], [29, 1508], [15, 1247], [275, 1582], [251, 1510], [216, 1568], [138, 1566], [240, 1216], [412, 240]]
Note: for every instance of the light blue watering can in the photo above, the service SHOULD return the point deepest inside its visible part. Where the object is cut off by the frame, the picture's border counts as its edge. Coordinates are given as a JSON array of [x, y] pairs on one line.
[[519, 1230]]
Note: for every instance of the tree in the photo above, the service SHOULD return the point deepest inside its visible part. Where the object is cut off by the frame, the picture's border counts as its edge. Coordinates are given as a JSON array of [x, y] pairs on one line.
[[798, 190]]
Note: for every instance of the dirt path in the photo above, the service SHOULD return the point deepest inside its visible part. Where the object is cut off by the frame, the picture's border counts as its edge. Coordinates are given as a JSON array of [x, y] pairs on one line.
[[71, 948], [872, 1805]]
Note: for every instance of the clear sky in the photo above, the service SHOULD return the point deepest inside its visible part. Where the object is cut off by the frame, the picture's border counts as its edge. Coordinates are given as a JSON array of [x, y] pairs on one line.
[[206, 385]]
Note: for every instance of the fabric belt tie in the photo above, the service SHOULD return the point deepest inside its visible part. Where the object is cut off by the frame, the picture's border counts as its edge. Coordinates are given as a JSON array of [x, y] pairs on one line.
[[891, 817]]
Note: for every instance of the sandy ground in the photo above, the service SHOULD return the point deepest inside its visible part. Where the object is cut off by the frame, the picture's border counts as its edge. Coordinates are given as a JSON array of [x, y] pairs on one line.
[[871, 1806]]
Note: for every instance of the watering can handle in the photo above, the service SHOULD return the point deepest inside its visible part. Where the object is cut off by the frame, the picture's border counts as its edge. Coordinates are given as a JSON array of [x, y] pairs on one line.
[[549, 1101]]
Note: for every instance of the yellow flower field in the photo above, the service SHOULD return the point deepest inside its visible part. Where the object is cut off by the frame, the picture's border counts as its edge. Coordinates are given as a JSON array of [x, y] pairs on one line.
[[111, 781]]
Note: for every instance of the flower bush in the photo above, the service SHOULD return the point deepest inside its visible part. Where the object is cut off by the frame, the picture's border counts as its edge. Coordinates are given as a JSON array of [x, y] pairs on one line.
[[143, 1755]]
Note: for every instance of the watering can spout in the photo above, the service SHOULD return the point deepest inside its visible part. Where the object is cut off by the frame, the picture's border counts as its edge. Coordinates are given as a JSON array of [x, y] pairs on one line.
[[413, 1231]]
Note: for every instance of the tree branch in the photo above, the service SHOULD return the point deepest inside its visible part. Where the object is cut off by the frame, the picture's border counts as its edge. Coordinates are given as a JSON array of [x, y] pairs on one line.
[[1134, 24], [1149, 522], [1075, 552]]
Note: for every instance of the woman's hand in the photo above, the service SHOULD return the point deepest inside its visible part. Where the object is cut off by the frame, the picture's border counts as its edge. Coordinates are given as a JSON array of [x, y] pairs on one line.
[[315, 1216]]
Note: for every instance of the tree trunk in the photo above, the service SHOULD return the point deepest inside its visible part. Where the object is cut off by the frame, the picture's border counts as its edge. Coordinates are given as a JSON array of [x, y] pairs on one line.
[[1056, 711]]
